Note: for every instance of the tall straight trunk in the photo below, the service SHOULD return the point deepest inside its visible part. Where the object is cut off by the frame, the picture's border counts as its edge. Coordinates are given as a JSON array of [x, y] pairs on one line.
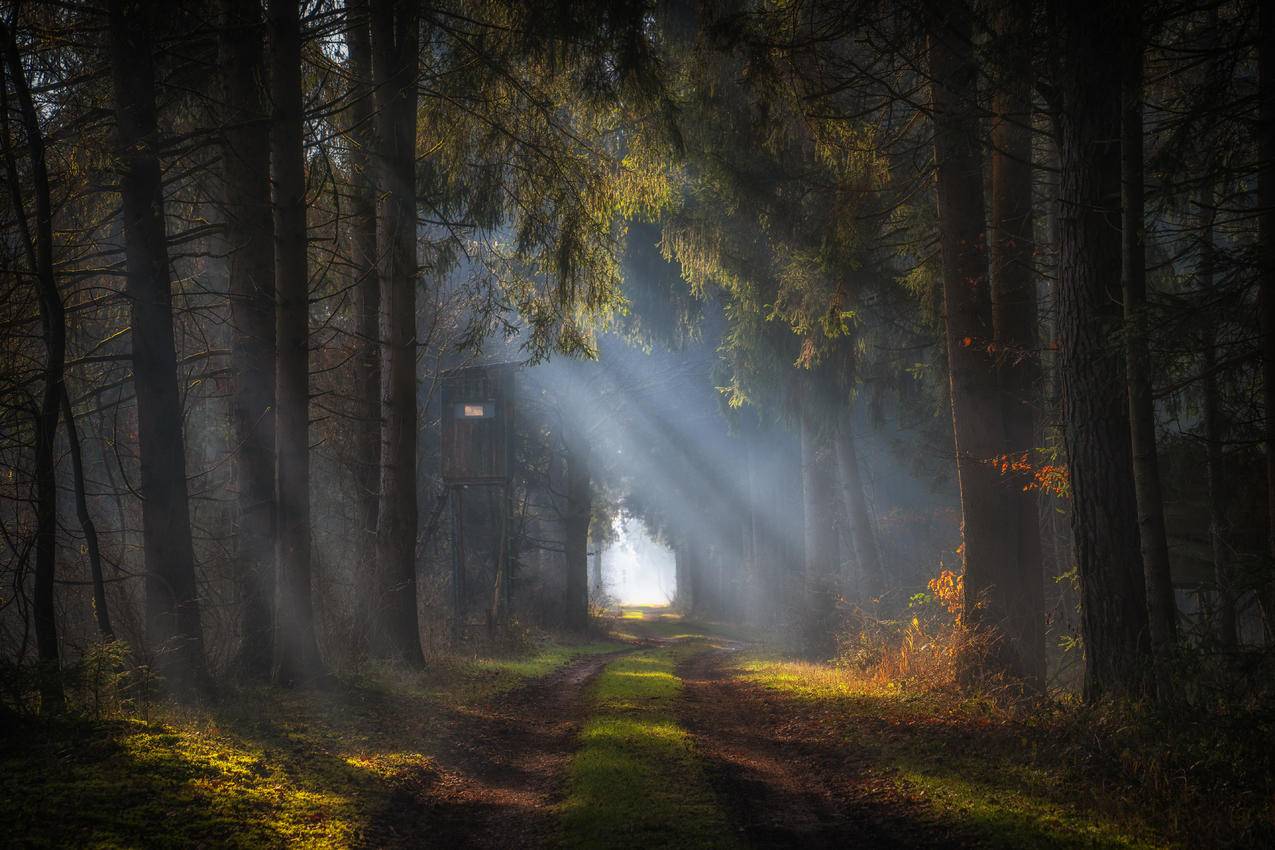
[[395, 37], [296, 648], [39, 248], [1161, 607], [1014, 322], [575, 602], [817, 501], [695, 574], [249, 238], [1214, 433], [681, 577], [595, 567], [860, 520], [752, 520], [173, 628], [1266, 277], [1096, 414], [367, 293], [820, 530], [977, 422]]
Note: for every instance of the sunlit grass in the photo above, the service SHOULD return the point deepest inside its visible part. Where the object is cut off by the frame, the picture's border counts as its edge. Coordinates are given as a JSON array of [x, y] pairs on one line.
[[1009, 811], [636, 781], [165, 785], [510, 672], [261, 768], [968, 760], [803, 679]]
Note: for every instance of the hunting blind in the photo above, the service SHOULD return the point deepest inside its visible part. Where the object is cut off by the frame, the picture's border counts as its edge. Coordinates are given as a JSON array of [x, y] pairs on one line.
[[477, 424], [477, 418]]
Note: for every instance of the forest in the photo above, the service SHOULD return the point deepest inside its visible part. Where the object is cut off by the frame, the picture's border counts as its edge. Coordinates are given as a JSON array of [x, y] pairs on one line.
[[637, 424]]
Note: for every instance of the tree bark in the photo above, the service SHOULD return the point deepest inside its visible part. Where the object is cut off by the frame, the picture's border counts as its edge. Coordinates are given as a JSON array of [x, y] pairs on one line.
[[100, 611], [39, 248], [860, 520], [1214, 435], [1266, 278], [249, 238], [681, 578], [173, 628], [1014, 321], [1104, 506], [977, 421], [297, 657], [1161, 606], [816, 497], [595, 568], [367, 365], [820, 529], [698, 592], [576, 525], [395, 38]]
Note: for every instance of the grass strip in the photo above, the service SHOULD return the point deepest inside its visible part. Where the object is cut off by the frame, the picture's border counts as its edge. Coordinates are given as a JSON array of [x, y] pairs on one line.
[[636, 781]]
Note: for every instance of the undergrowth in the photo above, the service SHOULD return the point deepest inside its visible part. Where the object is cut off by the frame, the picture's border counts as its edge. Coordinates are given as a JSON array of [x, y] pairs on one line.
[[1047, 771]]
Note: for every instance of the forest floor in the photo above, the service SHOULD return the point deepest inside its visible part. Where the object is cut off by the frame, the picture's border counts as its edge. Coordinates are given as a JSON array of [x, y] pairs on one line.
[[668, 735]]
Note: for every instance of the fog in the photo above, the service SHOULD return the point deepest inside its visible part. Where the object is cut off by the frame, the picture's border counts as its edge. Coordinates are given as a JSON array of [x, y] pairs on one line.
[[636, 570]]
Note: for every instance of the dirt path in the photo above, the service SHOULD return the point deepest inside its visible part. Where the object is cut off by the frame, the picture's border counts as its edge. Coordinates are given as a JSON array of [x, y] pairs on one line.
[[787, 778], [500, 773]]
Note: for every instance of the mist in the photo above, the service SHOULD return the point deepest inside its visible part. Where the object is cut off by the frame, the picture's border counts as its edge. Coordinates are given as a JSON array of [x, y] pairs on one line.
[[635, 569]]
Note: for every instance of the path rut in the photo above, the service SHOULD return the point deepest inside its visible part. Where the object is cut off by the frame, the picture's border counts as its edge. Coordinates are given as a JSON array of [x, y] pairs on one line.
[[500, 774], [787, 779]]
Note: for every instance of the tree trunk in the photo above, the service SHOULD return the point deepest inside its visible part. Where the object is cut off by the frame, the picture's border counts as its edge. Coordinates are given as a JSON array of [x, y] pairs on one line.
[[395, 36], [172, 595], [249, 238], [860, 520], [681, 577], [1214, 435], [1266, 278], [820, 530], [977, 421], [695, 574], [1161, 607], [100, 612], [39, 248], [595, 574], [576, 525], [817, 503], [1013, 278], [1104, 507], [367, 365], [297, 651]]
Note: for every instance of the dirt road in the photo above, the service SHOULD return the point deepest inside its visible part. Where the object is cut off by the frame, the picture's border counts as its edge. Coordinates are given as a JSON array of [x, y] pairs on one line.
[[500, 775], [787, 779], [781, 777]]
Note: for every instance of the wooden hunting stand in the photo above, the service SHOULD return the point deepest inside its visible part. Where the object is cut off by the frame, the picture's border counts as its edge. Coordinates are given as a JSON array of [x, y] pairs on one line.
[[477, 432]]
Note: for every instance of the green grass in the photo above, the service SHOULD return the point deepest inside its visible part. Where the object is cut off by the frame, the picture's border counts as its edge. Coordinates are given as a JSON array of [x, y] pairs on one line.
[[262, 768], [477, 679], [656, 622], [636, 781], [1014, 776]]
